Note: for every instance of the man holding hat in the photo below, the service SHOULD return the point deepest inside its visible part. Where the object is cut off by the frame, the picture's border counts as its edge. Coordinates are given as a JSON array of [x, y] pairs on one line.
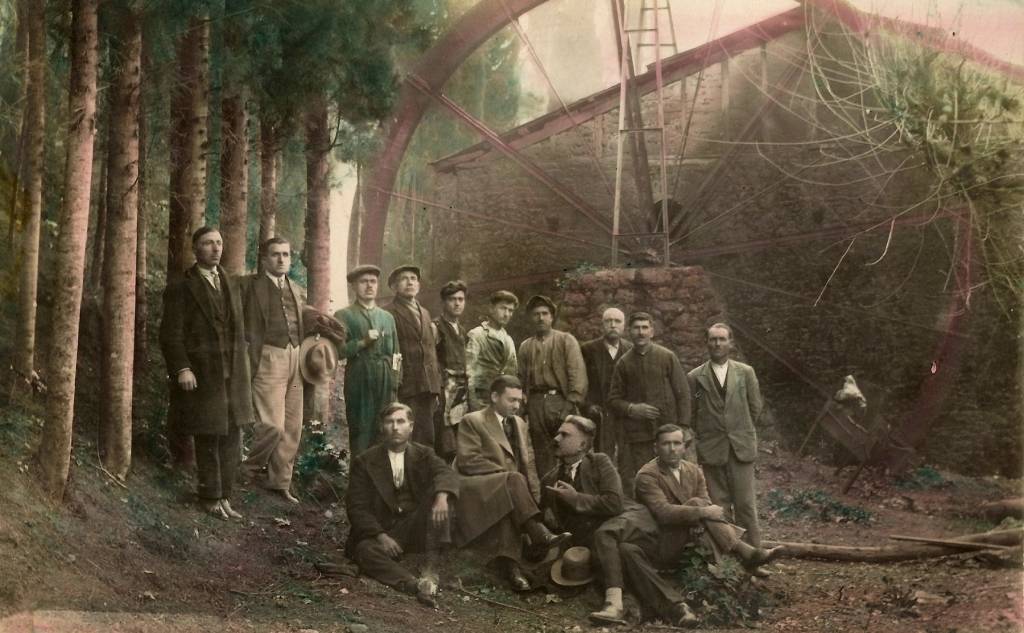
[[552, 371], [373, 357], [649, 388], [202, 337], [273, 306], [417, 338]]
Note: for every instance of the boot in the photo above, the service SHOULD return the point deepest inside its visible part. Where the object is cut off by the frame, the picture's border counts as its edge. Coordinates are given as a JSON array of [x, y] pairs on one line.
[[540, 535], [612, 612]]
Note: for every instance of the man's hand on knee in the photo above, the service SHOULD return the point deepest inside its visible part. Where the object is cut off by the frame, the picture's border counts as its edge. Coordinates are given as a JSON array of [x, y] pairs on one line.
[[439, 512], [390, 545]]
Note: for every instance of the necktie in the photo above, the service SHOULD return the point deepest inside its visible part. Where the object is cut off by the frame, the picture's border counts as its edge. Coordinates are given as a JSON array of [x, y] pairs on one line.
[[506, 425], [280, 283], [215, 279]]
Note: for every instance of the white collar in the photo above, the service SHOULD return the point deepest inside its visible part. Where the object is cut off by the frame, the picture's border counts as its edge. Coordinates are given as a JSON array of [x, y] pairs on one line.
[[276, 280]]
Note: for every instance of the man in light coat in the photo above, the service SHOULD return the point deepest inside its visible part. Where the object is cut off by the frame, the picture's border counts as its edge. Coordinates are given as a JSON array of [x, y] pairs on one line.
[[726, 404]]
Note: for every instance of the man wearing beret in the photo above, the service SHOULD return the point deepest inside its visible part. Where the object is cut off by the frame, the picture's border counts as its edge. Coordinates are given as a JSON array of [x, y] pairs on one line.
[[417, 338], [551, 369], [649, 388], [373, 357]]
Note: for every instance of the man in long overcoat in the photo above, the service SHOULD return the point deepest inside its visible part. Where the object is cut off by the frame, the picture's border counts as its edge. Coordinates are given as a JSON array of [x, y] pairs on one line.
[[726, 404], [498, 487], [398, 501], [600, 356], [417, 339], [373, 357], [202, 337], [552, 370], [273, 306]]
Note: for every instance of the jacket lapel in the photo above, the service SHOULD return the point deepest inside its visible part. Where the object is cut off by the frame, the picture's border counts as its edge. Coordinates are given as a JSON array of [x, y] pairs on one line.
[[406, 315], [383, 478], [731, 382], [195, 283], [673, 485], [496, 431], [586, 472], [263, 297]]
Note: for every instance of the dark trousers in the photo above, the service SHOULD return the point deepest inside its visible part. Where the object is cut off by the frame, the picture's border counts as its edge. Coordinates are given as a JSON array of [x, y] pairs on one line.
[[546, 412], [636, 526], [423, 405], [414, 533], [217, 460], [632, 457]]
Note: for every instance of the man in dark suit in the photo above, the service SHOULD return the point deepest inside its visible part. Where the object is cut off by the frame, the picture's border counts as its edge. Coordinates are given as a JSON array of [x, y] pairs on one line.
[[398, 501], [421, 378], [451, 356], [273, 307], [600, 356], [726, 405], [202, 337], [498, 484]]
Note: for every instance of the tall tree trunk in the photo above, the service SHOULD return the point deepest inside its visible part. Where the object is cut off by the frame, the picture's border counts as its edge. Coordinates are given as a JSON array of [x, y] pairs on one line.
[[141, 265], [268, 180], [234, 181], [355, 221], [188, 139], [54, 455], [99, 234], [119, 261], [25, 336], [317, 248], [17, 165]]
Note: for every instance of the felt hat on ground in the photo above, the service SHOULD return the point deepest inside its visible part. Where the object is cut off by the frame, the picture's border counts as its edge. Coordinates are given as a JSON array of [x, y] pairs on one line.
[[402, 269], [575, 568], [361, 270], [318, 358]]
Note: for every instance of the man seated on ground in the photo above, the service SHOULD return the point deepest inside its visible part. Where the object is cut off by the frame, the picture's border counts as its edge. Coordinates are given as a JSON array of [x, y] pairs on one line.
[[675, 492], [398, 501], [499, 485]]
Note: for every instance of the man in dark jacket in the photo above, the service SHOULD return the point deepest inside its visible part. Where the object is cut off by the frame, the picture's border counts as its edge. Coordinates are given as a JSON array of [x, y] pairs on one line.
[[398, 501], [273, 306], [649, 388], [420, 377], [451, 356], [202, 337], [600, 356]]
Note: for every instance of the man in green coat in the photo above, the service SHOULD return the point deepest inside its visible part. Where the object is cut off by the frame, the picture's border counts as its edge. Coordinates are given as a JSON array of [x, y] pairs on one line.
[[373, 358]]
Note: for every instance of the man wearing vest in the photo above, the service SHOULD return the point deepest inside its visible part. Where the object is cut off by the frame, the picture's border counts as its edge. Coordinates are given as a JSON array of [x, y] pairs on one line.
[[273, 326], [202, 337], [451, 356]]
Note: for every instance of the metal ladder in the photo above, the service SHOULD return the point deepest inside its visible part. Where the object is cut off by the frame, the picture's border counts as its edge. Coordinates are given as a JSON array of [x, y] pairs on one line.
[[654, 9]]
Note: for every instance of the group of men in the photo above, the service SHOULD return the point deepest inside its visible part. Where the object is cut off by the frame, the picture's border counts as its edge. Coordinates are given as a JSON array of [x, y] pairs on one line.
[[605, 461]]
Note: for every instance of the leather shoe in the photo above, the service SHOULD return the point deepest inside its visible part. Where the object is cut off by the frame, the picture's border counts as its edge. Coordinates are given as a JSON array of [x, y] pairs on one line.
[[609, 614], [214, 508], [516, 578], [684, 617], [228, 510], [554, 540]]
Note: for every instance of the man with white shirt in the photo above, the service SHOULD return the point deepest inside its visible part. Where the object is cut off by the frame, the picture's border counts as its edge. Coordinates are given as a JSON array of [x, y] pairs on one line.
[[726, 405], [273, 326], [600, 356], [398, 501], [202, 337]]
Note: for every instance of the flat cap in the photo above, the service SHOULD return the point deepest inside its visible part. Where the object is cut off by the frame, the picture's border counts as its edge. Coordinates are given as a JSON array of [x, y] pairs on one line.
[[361, 270], [401, 269], [640, 316], [540, 300]]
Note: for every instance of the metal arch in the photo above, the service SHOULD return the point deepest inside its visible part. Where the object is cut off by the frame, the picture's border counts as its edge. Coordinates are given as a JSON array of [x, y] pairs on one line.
[[435, 67]]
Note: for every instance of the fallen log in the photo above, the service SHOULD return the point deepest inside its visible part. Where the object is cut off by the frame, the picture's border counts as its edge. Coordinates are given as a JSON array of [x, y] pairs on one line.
[[893, 553], [999, 510], [964, 545]]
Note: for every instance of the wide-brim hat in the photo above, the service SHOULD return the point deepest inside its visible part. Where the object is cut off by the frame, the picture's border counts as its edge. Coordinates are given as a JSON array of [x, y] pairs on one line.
[[318, 360], [541, 300], [574, 568], [361, 270], [402, 269]]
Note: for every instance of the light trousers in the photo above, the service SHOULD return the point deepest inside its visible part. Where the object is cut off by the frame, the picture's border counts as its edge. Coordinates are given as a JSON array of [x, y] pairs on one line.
[[277, 399]]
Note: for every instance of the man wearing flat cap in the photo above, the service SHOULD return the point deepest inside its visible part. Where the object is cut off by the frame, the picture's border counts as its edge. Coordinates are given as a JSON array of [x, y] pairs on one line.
[[373, 357], [490, 351], [417, 338], [649, 389], [552, 371]]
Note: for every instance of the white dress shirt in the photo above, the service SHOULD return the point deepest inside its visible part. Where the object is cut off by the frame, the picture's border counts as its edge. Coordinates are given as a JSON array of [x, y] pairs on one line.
[[397, 467]]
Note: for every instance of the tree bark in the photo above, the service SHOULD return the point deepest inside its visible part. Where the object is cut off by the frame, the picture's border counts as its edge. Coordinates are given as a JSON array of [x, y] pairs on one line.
[[25, 335], [893, 553], [99, 233], [268, 180], [17, 164], [54, 457], [234, 182], [188, 140], [141, 264], [119, 260], [317, 248]]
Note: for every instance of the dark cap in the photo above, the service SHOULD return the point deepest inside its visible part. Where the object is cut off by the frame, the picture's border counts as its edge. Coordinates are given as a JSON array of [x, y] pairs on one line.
[[540, 300], [361, 270], [504, 296], [640, 316], [402, 269]]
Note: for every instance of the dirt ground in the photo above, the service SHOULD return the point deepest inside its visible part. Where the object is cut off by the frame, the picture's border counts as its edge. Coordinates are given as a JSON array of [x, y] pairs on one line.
[[141, 558]]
